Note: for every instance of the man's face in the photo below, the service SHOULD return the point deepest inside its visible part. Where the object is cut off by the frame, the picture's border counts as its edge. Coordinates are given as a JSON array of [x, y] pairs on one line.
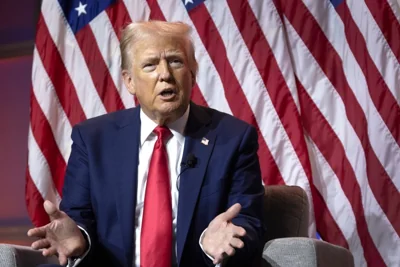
[[161, 78]]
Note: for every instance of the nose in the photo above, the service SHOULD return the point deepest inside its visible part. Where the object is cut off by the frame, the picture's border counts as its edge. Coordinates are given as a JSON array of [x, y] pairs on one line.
[[165, 74]]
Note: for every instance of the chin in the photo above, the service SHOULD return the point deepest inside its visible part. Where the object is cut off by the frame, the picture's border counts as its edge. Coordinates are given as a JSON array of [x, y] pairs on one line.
[[170, 108]]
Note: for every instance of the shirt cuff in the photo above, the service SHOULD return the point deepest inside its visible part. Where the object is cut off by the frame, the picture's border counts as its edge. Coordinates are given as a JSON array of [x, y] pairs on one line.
[[201, 246], [76, 261]]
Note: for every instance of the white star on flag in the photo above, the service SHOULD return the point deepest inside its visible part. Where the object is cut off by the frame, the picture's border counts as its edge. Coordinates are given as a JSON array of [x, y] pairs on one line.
[[188, 1], [81, 9]]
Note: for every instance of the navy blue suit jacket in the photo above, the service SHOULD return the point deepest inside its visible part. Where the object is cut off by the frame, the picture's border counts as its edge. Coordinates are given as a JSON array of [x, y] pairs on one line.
[[101, 181]]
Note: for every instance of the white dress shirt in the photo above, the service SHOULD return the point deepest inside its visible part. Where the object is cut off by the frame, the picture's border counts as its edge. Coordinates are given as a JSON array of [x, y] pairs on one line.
[[174, 146]]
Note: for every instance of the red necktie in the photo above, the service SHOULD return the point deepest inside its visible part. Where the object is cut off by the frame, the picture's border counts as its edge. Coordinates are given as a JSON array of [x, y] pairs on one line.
[[156, 235]]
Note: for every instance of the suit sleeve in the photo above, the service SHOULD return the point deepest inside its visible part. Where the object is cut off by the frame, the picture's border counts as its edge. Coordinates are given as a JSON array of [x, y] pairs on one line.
[[76, 200], [247, 189]]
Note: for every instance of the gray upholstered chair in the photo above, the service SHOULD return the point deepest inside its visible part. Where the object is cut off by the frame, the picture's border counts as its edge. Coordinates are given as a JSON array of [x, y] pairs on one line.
[[22, 256], [287, 245], [286, 212]]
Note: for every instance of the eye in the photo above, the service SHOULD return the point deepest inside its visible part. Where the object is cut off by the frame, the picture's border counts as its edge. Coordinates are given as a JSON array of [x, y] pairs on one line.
[[176, 63], [149, 66]]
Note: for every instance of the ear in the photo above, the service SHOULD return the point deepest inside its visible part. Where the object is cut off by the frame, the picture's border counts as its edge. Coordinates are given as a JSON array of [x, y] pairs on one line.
[[128, 80]]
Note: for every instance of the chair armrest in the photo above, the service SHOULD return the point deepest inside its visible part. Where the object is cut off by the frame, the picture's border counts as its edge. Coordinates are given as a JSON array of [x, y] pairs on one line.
[[299, 252], [21, 256]]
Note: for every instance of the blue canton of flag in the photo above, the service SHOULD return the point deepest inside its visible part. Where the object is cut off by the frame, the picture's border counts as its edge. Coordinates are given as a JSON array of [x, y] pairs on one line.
[[190, 4], [335, 3], [80, 12]]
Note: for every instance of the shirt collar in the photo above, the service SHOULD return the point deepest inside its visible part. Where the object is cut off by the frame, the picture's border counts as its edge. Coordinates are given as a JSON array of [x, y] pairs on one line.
[[177, 127]]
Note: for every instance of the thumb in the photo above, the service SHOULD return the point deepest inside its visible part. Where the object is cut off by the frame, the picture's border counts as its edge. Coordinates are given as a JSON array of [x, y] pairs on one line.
[[51, 210], [232, 212]]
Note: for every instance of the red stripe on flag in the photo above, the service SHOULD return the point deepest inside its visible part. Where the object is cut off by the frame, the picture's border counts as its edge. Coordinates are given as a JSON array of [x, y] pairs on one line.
[[384, 191], [332, 149], [155, 10], [119, 17], [233, 91], [99, 72], [326, 224], [156, 14], [380, 94], [55, 68], [277, 89], [34, 202], [387, 22], [197, 97], [273, 79], [45, 139]]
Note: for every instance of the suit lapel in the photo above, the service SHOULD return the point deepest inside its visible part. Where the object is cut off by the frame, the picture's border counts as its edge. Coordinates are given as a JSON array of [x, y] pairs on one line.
[[199, 140], [125, 158]]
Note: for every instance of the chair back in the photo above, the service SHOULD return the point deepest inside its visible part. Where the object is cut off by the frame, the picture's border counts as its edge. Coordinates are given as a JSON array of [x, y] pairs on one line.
[[286, 212]]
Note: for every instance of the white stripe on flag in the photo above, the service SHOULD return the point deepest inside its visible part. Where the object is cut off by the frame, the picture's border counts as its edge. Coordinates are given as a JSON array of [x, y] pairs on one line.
[[274, 33], [49, 103], [138, 10], [256, 94], [108, 44], [72, 57], [331, 106], [39, 171], [377, 46], [336, 201], [382, 141], [208, 79], [395, 6], [271, 25]]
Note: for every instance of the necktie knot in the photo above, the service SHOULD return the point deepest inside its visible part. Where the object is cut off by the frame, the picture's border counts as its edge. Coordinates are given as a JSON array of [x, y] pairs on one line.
[[162, 133]]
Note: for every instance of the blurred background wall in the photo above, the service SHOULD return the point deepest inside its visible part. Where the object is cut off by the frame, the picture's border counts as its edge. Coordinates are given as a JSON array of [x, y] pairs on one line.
[[17, 31]]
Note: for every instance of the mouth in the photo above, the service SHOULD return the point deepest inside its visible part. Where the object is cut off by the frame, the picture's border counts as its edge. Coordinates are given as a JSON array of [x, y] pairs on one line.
[[168, 93]]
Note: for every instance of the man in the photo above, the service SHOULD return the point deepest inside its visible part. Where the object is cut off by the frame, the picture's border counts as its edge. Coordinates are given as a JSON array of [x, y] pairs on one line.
[[168, 183]]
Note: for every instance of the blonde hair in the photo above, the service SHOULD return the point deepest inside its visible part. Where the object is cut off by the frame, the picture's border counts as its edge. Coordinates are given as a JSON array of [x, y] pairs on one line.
[[137, 31]]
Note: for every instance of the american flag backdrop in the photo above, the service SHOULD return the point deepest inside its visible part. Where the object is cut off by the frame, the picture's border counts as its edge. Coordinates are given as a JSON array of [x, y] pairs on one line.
[[319, 79]]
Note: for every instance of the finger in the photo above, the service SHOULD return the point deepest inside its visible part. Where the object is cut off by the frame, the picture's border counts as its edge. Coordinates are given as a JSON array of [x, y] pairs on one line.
[[236, 230], [49, 252], [219, 256], [62, 259], [37, 232], [51, 210], [228, 250], [39, 244], [217, 260], [236, 243], [232, 212]]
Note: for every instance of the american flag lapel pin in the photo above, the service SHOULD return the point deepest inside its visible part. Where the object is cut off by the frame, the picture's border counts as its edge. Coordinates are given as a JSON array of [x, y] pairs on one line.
[[204, 141]]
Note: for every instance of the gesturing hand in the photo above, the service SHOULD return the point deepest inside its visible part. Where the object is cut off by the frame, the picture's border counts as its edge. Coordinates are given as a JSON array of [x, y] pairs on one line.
[[221, 238], [61, 235]]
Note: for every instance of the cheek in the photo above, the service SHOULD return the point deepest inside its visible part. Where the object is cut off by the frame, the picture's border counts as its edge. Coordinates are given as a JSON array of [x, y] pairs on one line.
[[145, 84], [185, 81], [140, 81]]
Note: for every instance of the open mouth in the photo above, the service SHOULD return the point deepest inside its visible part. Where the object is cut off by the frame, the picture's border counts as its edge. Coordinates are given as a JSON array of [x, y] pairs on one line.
[[168, 92]]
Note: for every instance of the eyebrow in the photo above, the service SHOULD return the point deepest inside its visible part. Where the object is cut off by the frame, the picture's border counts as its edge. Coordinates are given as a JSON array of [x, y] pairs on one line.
[[169, 54]]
